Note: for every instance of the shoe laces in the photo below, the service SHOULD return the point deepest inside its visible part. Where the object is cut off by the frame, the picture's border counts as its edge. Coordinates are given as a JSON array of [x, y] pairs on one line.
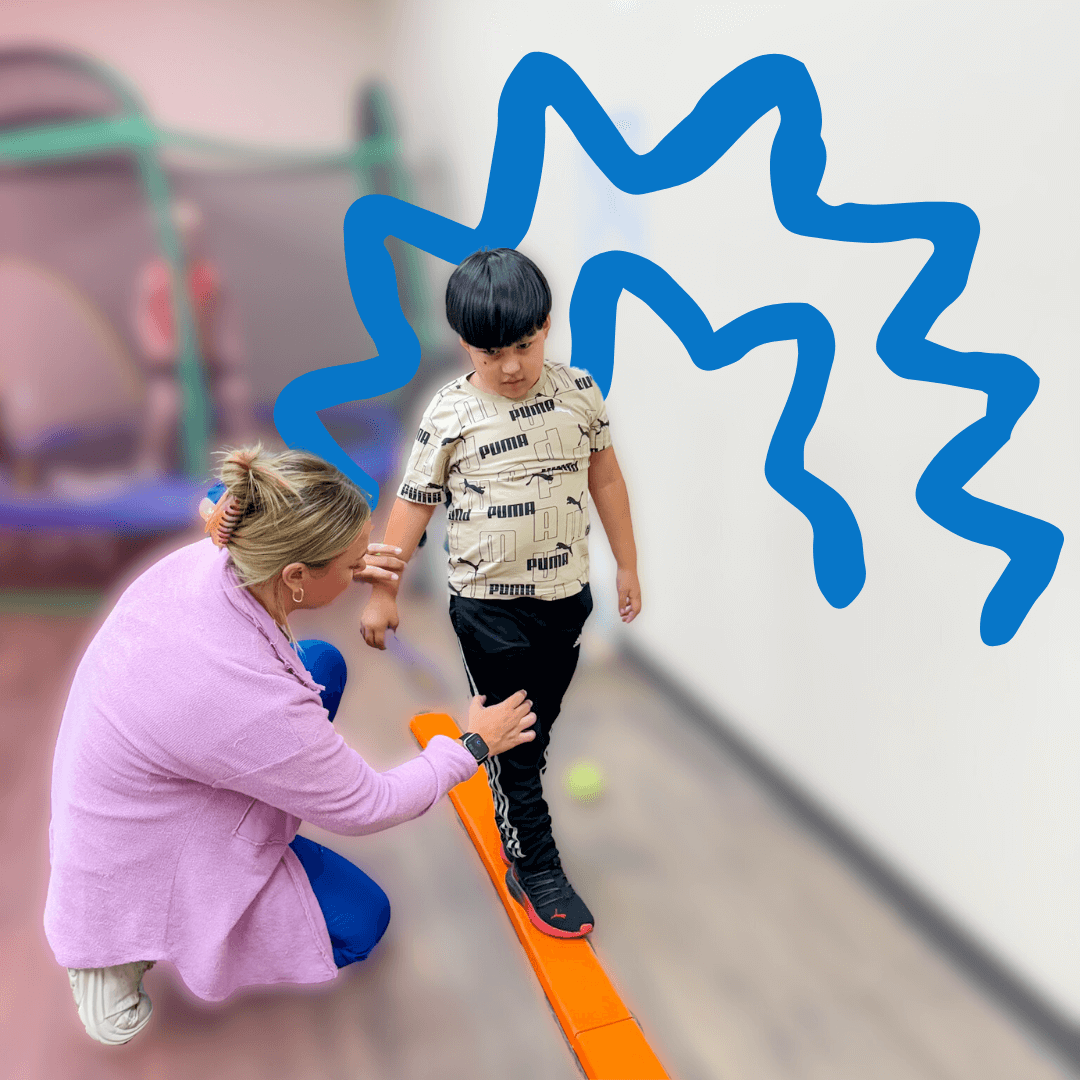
[[547, 885]]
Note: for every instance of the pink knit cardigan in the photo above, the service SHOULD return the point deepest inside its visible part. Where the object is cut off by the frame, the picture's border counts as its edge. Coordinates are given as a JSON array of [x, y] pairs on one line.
[[192, 745]]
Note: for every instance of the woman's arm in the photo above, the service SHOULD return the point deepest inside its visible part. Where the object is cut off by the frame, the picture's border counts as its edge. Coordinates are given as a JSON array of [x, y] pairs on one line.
[[330, 785]]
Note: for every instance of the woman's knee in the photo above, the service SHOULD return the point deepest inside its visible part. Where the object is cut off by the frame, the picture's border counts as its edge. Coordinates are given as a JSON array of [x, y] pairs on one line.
[[380, 922], [383, 918], [354, 940], [324, 661], [376, 905], [327, 667]]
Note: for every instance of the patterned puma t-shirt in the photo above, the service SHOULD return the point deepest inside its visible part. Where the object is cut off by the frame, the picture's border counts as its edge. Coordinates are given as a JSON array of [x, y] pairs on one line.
[[515, 479]]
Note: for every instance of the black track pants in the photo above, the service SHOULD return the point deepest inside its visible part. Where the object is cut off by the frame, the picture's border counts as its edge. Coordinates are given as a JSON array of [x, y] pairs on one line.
[[532, 645]]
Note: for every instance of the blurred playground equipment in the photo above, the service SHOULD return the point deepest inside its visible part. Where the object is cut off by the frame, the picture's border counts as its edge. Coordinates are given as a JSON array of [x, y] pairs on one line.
[[89, 186]]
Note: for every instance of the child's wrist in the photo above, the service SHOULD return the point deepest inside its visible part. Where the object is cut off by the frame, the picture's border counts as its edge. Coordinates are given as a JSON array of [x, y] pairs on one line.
[[389, 589]]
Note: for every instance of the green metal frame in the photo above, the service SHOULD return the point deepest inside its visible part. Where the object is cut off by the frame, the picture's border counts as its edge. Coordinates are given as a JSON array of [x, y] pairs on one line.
[[132, 131], [400, 188]]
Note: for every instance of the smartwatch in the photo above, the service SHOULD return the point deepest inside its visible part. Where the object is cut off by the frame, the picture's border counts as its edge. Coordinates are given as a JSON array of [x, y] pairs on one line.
[[475, 745]]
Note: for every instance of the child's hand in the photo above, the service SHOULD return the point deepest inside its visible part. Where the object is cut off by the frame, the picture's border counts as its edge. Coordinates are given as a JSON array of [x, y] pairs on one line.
[[380, 564], [380, 615], [629, 598]]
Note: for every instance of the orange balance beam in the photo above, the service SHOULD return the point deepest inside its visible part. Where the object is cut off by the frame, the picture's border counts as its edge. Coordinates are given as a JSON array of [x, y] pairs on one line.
[[602, 1033]]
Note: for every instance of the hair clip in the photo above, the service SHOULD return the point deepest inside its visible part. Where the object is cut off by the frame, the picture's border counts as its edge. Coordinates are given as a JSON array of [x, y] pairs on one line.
[[221, 518]]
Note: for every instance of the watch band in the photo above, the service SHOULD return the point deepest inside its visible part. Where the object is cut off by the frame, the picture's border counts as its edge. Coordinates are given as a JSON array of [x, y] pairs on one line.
[[475, 745]]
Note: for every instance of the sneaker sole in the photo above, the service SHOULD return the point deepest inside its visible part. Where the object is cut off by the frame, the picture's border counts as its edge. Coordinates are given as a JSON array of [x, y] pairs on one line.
[[519, 894]]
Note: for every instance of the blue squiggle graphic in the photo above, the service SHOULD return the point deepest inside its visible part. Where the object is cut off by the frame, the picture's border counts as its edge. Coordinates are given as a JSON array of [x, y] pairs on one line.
[[797, 164], [838, 552]]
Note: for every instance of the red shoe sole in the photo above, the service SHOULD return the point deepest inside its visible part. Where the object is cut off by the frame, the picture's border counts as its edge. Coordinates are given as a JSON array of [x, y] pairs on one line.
[[522, 898]]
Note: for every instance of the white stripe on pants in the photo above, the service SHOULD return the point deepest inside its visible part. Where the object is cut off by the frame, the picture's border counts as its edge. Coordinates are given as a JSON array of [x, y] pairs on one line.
[[507, 831]]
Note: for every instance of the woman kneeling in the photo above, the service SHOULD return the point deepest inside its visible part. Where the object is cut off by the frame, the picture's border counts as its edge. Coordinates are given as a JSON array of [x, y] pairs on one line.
[[194, 742]]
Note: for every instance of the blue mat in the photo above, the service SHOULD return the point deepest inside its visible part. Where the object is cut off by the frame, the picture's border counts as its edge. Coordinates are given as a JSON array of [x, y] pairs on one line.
[[146, 506], [172, 503]]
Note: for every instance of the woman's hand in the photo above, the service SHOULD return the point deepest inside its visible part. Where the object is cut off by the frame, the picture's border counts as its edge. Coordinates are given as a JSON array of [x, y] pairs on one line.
[[380, 615], [380, 564], [503, 726]]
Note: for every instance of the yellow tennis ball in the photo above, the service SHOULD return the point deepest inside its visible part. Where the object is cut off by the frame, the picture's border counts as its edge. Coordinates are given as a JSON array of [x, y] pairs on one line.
[[584, 782]]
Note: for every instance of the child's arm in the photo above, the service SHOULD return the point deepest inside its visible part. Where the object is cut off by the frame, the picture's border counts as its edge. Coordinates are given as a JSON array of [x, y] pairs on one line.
[[608, 491], [407, 523]]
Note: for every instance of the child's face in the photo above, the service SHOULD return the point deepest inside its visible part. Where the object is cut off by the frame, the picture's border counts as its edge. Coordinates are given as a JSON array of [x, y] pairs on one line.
[[510, 372]]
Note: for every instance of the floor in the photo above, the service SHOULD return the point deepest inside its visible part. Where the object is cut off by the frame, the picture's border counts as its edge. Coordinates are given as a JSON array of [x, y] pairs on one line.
[[746, 950]]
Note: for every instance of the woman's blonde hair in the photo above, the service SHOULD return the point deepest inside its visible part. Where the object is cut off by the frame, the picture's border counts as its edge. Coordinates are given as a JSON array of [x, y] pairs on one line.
[[293, 507]]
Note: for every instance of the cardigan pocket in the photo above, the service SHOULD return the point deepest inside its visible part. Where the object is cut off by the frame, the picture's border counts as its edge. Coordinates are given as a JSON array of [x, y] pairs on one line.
[[263, 824]]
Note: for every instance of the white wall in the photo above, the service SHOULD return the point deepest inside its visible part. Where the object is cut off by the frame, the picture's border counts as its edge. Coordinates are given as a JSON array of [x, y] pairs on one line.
[[956, 761]]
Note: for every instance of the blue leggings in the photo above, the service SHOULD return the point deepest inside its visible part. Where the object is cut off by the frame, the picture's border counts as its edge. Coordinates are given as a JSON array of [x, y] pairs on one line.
[[356, 910]]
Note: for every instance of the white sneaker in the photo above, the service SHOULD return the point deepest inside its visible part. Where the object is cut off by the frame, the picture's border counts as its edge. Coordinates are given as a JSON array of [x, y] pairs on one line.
[[112, 1004]]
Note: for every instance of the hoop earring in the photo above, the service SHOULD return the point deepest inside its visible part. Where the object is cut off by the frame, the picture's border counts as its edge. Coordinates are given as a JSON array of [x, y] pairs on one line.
[[300, 600]]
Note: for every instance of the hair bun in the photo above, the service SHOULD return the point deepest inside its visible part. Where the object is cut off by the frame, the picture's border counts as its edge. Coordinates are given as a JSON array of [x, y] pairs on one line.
[[246, 457]]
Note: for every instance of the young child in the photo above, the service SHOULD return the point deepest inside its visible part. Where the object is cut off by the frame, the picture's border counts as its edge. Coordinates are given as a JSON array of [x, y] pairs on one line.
[[514, 449]]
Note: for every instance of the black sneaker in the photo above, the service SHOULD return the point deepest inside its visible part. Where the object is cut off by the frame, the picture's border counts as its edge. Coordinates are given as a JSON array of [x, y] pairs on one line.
[[550, 901], [505, 858]]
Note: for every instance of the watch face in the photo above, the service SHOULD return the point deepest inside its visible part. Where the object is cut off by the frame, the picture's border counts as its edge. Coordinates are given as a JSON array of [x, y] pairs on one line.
[[476, 746]]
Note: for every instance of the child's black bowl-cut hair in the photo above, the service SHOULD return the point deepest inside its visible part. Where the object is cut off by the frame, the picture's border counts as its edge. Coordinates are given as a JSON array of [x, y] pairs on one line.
[[495, 298]]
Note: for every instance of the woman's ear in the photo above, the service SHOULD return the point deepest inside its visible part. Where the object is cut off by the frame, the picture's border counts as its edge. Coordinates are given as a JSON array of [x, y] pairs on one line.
[[293, 576]]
